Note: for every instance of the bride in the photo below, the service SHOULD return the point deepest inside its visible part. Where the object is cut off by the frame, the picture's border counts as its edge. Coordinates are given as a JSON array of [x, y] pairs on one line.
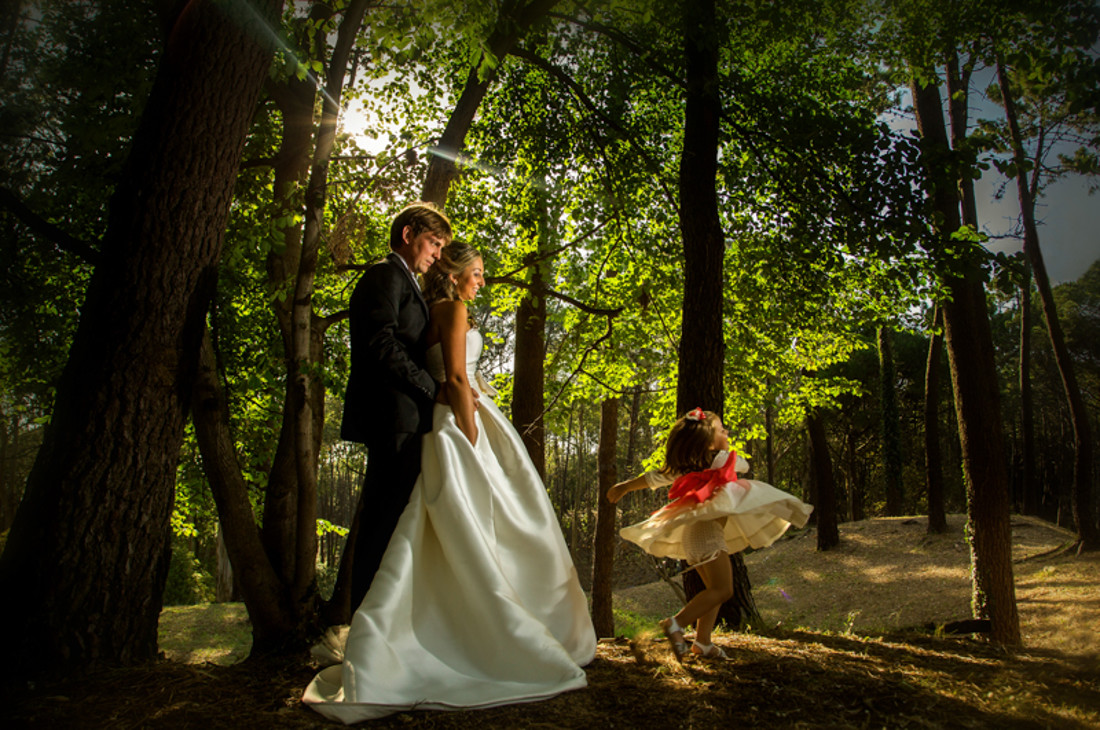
[[477, 602]]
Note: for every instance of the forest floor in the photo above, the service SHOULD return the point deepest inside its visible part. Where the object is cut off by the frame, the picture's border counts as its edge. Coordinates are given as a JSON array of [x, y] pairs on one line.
[[849, 642]]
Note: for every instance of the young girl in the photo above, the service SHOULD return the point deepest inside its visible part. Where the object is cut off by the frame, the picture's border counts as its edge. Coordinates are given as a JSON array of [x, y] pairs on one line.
[[711, 514]]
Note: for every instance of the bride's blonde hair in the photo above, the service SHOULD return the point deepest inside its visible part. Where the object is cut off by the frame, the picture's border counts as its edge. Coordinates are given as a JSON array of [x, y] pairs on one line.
[[455, 258]]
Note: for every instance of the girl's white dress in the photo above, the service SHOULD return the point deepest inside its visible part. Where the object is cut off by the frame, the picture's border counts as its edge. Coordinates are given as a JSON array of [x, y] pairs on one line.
[[739, 513], [476, 602]]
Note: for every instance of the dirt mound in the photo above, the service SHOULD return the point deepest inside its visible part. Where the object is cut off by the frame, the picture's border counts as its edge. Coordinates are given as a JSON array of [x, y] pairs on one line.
[[888, 574]]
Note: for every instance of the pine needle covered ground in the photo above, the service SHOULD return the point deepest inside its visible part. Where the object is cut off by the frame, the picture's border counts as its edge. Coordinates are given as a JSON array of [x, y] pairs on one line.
[[850, 650]]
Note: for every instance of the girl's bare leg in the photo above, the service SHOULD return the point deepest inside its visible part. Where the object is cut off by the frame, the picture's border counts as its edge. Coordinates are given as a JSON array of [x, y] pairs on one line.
[[717, 576], [705, 624]]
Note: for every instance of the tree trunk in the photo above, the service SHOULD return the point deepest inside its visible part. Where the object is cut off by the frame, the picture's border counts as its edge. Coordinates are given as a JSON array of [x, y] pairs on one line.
[[575, 496], [702, 349], [821, 469], [890, 426], [90, 545], [603, 549], [1087, 534], [225, 586], [296, 100], [529, 386], [974, 381], [1030, 487], [933, 460], [702, 342], [265, 594], [10, 14], [9, 499], [740, 612], [528, 396], [855, 481], [514, 21], [307, 393], [769, 439]]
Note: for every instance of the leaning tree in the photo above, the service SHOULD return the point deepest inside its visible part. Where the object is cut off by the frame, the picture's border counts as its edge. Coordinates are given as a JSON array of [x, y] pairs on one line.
[[88, 549]]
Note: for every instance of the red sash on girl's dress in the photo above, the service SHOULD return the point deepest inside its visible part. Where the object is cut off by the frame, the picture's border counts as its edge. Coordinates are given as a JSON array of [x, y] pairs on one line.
[[698, 486]]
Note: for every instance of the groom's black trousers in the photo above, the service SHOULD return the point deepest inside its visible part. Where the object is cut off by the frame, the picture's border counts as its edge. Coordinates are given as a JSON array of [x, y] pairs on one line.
[[392, 468]]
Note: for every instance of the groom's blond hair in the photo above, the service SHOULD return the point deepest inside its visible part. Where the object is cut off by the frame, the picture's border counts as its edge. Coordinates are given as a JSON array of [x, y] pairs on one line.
[[419, 217]]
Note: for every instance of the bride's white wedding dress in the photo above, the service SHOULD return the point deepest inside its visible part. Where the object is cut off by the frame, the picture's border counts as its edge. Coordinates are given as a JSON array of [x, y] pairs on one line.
[[477, 602]]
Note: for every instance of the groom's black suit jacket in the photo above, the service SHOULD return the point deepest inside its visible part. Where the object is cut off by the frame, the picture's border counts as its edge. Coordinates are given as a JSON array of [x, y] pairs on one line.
[[389, 391]]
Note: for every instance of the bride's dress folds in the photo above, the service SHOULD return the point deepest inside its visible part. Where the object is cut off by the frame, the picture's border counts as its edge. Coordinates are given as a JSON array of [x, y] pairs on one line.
[[477, 601]]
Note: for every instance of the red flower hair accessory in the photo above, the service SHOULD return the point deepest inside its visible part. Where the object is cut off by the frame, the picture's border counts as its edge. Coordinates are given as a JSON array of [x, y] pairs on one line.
[[696, 415]]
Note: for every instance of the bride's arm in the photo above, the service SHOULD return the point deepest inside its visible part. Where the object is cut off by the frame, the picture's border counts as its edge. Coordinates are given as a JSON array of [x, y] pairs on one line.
[[452, 320]]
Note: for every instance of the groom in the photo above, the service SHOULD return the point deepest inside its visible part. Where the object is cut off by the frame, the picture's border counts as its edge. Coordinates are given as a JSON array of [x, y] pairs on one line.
[[389, 399]]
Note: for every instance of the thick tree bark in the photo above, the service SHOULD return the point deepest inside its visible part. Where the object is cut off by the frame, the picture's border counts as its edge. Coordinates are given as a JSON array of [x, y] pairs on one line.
[[933, 459], [225, 580], [974, 381], [821, 467], [1087, 534], [90, 545], [890, 425], [515, 20], [603, 552]]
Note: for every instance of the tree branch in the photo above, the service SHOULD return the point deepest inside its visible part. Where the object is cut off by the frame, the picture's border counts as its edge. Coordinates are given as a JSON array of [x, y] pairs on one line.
[[258, 162], [623, 391], [327, 321], [552, 253], [540, 62], [580, 366], [626, 42], [48, 230], [557, 295]]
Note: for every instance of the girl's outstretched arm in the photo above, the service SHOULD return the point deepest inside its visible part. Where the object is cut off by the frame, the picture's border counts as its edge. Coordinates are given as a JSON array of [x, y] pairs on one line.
[[618, 491]]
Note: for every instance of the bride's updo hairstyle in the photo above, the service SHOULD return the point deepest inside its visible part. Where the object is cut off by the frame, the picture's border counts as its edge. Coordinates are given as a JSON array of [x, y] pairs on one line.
[[455, 258], [690, 445]]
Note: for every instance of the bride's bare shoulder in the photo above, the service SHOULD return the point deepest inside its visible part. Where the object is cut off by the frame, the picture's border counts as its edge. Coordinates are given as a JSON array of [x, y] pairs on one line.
[[449, 313]]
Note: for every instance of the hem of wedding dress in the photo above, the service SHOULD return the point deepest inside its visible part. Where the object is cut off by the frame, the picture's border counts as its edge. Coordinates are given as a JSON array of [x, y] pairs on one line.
[[361, 711]]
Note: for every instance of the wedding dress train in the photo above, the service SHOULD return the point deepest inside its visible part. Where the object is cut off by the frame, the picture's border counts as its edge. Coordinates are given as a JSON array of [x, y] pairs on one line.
[[477, 602]]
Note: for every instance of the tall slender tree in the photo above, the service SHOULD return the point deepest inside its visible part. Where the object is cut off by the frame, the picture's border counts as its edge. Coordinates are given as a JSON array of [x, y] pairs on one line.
[[933, 466], [974, 381], [890, 427], [603, 563], [1087, 533]]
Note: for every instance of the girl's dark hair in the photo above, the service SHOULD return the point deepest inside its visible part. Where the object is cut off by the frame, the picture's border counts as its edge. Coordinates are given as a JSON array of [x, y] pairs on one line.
[[690, 444], [453, 260]]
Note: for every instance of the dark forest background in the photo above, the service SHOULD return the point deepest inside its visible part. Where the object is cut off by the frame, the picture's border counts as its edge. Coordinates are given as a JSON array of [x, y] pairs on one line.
[[766, 209]]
